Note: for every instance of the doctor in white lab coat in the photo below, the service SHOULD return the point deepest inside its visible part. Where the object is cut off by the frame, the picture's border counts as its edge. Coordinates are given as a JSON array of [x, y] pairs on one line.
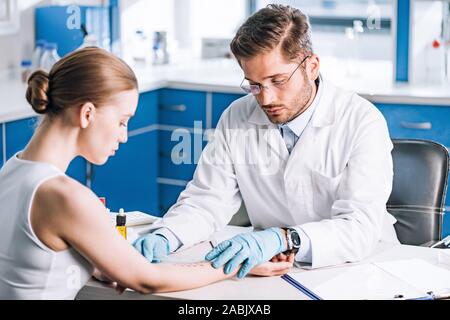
[[311, 162]]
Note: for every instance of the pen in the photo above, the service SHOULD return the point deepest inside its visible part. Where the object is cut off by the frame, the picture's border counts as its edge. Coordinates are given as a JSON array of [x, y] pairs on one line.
[[427, 297], [440, 295], [300, 287]]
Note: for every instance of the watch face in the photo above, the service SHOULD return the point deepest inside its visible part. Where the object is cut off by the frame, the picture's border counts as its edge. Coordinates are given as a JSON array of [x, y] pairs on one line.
[[295, 239]]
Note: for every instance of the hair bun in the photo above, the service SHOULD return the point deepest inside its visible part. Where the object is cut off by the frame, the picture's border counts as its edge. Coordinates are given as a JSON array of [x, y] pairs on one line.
[[37, 92]]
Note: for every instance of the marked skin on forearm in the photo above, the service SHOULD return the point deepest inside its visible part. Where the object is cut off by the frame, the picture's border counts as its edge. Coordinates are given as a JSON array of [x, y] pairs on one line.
[[190, 265]]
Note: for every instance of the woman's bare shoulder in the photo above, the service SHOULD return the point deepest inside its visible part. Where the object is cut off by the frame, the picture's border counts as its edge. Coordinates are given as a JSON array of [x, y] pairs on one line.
[[63, 188], [60, 206], [63, 195]]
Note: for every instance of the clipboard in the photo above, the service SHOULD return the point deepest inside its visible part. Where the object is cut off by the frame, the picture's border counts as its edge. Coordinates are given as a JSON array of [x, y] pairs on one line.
[[411, 279]]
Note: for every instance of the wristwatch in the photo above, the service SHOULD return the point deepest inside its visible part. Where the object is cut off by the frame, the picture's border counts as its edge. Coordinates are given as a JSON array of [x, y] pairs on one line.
[[293, 240]]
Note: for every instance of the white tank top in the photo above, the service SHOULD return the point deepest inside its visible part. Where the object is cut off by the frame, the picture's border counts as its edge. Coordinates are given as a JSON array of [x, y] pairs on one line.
[[30, 270]]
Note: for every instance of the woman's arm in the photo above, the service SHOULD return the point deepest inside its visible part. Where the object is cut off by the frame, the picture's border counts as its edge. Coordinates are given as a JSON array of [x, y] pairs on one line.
[[180, 276], [77, 217]]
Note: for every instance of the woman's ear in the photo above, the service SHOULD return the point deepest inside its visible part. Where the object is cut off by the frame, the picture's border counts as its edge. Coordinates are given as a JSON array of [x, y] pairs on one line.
[[87, 114]]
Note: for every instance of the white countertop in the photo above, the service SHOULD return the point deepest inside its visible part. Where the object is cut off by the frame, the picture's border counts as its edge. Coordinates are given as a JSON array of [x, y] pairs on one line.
[[255, 288], [375, 83]]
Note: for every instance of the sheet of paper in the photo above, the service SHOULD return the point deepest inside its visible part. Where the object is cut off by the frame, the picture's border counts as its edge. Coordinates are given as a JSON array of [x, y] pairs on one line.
[[444, 257], [418, 273], [359, 282]]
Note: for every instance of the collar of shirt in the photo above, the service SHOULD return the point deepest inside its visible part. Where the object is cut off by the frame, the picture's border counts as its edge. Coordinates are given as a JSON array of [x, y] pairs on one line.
[[298, 124]]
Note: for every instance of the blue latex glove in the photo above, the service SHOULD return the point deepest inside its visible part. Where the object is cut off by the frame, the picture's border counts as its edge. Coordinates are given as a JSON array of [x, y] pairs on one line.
[[152, 246], [249, 249]]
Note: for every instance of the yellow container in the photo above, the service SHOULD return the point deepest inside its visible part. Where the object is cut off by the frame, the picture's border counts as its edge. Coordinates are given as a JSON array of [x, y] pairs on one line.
[[121, 221]]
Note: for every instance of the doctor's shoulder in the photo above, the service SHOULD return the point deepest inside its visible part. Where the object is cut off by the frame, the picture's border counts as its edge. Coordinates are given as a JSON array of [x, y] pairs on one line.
[[359, 109], [364, 121], [368, 110]]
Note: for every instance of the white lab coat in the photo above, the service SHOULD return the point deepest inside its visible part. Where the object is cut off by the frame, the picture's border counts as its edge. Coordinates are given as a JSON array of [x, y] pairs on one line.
[[334, 184]]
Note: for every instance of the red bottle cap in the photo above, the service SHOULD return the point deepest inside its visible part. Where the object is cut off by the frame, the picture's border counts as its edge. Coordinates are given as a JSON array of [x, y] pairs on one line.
[[436, 44]]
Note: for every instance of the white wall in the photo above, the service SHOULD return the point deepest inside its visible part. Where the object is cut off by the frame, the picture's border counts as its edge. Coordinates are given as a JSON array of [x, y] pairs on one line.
[[18, 46], [186, 22], [15, 47]]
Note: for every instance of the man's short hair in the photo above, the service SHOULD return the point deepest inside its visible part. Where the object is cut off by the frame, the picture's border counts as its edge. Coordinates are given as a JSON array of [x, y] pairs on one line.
[[270, 27]]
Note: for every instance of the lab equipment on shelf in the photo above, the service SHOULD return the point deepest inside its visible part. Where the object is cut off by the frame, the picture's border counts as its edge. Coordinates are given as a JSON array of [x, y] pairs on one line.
[[50, 56], [25, 70], [37, 54], [160, 52]]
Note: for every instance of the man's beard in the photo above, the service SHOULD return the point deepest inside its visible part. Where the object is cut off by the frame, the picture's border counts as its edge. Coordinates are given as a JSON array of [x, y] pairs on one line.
[[301, 102]]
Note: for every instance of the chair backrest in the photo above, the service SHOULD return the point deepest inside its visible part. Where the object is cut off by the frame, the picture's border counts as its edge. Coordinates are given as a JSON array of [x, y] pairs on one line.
[[417, 200]]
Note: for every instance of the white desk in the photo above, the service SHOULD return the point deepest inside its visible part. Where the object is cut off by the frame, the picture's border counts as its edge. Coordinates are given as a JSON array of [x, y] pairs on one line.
[[256, 288]]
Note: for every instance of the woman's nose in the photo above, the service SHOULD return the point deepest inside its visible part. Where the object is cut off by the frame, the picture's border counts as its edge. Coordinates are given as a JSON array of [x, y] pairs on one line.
[[124, 136]]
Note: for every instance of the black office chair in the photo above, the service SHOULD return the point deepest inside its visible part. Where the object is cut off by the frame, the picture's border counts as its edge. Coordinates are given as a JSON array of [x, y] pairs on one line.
[[417, 200]]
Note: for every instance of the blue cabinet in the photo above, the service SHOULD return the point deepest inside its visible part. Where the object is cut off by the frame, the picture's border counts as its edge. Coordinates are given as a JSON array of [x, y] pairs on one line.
[[1, 145], [220, 102], [77, 170], [128, 180], [18, 134], [179, 153], [182, 108], [146, 112], [179, 148], [418, 121], [60, 24], [168, 196], [446, 227]]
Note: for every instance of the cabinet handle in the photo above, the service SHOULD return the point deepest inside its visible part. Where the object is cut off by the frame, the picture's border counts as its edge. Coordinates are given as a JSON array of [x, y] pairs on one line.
[[173, 108], [416, 125]]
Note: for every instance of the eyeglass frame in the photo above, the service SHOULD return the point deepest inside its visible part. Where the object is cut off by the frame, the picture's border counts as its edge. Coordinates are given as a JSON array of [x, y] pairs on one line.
[[260, 87]]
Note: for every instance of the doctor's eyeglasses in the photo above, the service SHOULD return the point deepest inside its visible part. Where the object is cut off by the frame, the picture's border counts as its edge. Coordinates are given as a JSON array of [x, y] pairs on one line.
[[256, 88]]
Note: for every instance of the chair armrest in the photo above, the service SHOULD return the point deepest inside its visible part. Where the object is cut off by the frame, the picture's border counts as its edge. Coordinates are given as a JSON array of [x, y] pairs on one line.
[[443, 244], [428, 244]]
